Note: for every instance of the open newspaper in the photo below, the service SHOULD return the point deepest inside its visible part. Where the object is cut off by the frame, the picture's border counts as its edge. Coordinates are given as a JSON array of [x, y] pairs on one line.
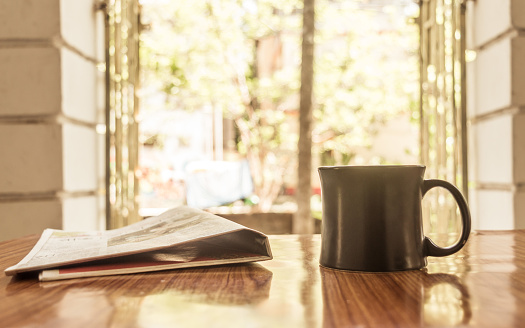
[[179, 238]]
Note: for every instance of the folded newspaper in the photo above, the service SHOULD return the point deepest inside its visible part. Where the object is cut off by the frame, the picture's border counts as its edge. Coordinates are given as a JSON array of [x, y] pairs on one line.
[[179, 238]]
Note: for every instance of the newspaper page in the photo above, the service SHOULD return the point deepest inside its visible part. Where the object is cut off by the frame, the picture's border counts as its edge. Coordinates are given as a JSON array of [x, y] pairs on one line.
[[179, 226]]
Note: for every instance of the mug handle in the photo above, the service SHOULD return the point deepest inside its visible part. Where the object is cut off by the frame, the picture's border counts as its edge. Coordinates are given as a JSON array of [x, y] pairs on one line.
[[430, 248]]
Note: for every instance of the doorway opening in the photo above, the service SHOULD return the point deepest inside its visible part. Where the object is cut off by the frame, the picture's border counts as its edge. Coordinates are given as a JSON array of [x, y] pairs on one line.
[[220, 96]]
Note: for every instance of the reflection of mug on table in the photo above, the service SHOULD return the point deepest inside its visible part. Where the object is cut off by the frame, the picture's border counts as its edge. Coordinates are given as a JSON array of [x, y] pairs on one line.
[[401, 299], [372, 218], [446, 300]]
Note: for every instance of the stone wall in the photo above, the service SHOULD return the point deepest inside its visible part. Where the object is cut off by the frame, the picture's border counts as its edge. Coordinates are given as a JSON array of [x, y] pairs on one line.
[[51, 100], [496, 107]]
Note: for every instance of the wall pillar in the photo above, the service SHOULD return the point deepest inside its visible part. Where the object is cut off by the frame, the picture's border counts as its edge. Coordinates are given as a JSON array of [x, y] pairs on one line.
[[496, 107], [51, 102]]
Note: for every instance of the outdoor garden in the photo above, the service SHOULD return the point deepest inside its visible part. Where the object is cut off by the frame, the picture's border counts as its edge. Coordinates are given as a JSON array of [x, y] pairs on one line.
[[221, 89]]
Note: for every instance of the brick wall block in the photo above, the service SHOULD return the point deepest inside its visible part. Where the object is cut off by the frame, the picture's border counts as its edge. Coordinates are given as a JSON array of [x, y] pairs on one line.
[[471, 83], [518, 145], [30, 158], [78, 23], [493, 78], [517, 11], [23, 218], [79, 87], [29, 19], [80, 213], [495, 210], [30, 81], [493, 150], [79, 158], [100, 36], [518, 70], [101, 161], [490, 19], [519, 210], [101, 97]]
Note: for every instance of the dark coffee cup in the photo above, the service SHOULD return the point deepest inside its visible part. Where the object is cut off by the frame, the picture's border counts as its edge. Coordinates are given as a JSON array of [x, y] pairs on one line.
[[372, 218]]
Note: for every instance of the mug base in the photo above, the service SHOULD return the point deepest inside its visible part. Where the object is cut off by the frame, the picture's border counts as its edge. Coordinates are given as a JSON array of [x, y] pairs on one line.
[[369, 271]]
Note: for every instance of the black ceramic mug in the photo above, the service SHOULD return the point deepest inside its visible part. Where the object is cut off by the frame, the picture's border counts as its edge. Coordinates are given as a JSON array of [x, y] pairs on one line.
[[372, 218]]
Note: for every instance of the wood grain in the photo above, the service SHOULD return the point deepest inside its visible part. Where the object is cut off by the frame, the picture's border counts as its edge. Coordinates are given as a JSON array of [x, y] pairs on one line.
[[481, 286]]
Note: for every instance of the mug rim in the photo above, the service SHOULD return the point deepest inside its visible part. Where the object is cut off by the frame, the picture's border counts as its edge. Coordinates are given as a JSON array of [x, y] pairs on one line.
[[386, 166]]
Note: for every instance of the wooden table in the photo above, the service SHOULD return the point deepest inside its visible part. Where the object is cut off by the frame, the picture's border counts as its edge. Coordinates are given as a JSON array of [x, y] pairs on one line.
[[481, 286]]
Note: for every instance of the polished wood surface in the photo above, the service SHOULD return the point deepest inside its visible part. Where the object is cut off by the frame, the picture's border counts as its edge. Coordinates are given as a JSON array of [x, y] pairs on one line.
[[481, 286]]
